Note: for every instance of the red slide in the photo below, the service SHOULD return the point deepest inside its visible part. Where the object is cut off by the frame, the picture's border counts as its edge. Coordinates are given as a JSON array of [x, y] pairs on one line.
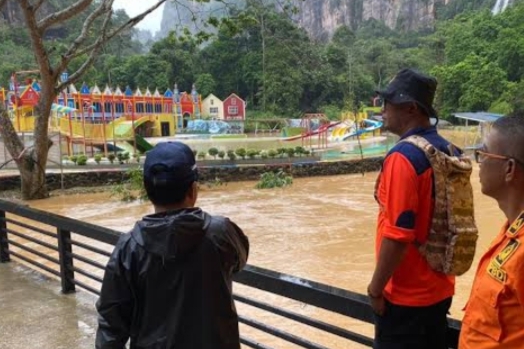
[[312, 133]]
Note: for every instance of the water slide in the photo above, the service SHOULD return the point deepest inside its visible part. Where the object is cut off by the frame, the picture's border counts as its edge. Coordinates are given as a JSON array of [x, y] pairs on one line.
[[321, 129], [371, 125], [125, 129]]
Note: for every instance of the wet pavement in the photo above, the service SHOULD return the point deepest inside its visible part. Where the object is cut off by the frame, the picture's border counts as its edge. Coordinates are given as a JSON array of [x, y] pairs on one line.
[[35, 314]]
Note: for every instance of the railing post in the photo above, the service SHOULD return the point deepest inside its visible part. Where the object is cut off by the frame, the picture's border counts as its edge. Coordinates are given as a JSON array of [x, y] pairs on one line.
[[65, 249], [4, 245]]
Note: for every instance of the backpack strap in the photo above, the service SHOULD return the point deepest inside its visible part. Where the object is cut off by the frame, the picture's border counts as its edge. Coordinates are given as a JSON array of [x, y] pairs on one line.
[[437, 161]]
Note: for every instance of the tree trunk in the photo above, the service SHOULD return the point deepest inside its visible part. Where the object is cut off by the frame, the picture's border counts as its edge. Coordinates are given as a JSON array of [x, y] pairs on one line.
[[30, 164], [33, 179]]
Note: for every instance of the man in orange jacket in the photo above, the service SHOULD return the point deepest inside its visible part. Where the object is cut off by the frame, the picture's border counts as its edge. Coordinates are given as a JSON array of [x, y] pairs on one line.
[[494, 315]]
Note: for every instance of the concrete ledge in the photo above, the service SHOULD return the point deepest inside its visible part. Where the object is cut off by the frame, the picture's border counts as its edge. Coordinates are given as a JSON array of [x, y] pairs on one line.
[[95, 177]]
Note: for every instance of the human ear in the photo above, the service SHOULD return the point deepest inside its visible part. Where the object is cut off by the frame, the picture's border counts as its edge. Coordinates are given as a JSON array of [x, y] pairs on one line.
[[194, 192], [511, 166]]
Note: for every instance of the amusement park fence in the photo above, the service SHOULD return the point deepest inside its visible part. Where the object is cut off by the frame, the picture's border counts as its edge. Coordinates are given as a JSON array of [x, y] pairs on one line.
[[54, 156], [76, 253]]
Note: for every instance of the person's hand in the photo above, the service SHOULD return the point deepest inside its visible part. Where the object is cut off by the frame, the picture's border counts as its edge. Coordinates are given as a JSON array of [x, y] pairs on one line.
[[377, 302]]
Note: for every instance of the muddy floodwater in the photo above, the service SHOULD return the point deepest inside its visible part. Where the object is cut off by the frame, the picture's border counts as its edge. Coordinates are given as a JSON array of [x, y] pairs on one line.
[[321, 228]]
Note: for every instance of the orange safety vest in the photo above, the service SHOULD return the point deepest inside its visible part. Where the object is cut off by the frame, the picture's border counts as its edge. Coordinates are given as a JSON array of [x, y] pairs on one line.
[[494, 315]]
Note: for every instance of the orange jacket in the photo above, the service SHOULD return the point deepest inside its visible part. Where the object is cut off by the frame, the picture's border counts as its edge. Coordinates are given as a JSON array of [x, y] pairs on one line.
[[404, 193], [494, 315]]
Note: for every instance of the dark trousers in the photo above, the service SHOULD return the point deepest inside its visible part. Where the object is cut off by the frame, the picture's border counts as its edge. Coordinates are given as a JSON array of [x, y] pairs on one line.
[[403, 327]]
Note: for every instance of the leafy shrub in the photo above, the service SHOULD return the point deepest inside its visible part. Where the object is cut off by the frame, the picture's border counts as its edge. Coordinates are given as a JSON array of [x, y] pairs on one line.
[[98, 158], [213, 152], [201, 155], [132, 188], [251, 153], [82, 160], [270, 180], [299, 150], [123, 157], [241, 152], [231, 155]]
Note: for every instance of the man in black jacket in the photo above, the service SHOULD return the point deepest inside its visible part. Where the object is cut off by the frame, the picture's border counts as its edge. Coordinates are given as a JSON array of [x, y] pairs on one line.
[[168, 283]]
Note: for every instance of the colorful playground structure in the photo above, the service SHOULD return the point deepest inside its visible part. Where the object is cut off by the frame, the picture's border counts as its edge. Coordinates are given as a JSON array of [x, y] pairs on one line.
[[92, 120], [116, 120], [318, 126]]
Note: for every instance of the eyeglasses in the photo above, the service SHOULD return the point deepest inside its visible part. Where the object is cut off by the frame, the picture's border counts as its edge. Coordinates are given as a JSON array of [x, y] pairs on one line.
[[480, 156]]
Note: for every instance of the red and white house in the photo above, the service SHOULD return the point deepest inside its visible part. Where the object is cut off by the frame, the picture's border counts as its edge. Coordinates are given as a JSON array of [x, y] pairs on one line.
[[234, 108]]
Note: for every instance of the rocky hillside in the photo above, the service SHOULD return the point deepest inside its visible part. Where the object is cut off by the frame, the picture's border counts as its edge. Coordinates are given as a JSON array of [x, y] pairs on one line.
[[11, 13], [322, 17]]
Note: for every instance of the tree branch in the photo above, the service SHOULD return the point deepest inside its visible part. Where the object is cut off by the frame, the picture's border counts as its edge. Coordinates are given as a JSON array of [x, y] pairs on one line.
[[41, 53], [63, 15], [38, 4], [129, 24], [10, 138], [94, 53], [105, 6]]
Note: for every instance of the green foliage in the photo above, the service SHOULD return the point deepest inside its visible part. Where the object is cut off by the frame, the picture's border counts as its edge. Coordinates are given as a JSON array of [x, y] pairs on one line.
[[272, 153], [213, 152], [98, 158], [278, 179], [111, 157], [299, 150], [123, 157], [252, 153], [264, 57], [231, 155], [221, 154], [201, 155], [74, 159], [82, 160], [241, 152], [290, 152], [131, 189]]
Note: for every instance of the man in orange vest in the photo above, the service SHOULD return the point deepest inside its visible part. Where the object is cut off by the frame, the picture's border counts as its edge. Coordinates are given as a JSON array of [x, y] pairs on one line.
[[494, 315], [410, 300]]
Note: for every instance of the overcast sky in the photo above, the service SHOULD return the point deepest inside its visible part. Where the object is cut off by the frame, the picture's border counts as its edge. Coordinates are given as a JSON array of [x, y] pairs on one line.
[[134, 7]]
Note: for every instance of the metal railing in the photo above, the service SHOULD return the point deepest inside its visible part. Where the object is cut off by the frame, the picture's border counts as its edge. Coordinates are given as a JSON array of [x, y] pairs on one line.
[[76, 253]]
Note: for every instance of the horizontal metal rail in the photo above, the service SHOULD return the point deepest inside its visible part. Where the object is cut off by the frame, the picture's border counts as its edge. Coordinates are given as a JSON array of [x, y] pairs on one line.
[[95, 232], [86, 273], [89, 248], [35, 252], [86, 260], [36, 264], [32, 239], [85, 286], [323, 326], [250, 343], [280, 334], [30, 227]]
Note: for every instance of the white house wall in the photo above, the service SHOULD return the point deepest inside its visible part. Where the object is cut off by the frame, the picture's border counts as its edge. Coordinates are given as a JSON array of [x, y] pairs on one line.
[[213, 101]]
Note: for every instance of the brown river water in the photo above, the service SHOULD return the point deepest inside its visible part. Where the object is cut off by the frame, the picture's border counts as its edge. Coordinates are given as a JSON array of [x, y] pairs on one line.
[[320, 228]]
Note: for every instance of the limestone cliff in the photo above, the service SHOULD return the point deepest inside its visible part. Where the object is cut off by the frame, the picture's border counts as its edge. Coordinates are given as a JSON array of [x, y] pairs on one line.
[[322, 17], [11, 13]]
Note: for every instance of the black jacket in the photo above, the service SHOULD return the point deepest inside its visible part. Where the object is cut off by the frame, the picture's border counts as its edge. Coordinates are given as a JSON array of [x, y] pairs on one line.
[[168, 284]]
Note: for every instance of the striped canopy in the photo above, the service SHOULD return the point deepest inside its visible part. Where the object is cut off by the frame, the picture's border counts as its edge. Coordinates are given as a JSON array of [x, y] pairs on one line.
[[61, 108]]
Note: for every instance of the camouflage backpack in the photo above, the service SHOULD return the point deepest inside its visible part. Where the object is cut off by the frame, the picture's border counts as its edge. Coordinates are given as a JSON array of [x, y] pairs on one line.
[[453, 234]]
